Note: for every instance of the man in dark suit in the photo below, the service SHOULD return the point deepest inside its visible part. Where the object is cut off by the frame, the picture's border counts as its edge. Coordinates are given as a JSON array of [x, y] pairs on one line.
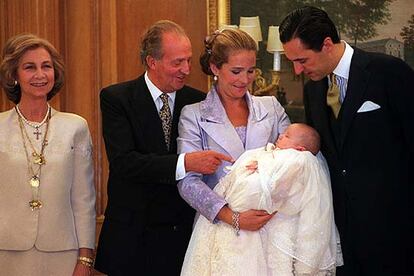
[[147, 225], [365, 117]]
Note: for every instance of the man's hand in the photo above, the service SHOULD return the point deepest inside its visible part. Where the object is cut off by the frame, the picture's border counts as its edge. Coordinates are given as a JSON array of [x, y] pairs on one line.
[[204, 162]]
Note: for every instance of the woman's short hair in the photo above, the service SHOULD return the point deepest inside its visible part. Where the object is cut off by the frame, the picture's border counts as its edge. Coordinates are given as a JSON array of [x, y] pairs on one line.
[[13, 51], [219, 45], [151, 42]]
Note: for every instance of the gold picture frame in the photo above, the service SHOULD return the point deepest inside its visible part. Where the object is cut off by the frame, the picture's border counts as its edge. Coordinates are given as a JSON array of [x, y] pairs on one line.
[[218, 14]]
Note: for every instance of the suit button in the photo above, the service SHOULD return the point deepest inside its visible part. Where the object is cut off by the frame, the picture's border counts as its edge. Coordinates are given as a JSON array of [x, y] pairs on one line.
[[343, 172]]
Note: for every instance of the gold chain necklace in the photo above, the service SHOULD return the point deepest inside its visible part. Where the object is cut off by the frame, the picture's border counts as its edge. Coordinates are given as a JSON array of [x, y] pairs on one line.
[[36, 126], [38, 159]]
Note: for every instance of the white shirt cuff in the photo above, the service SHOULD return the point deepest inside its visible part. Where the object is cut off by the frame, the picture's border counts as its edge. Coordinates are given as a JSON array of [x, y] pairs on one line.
[[180, 170]]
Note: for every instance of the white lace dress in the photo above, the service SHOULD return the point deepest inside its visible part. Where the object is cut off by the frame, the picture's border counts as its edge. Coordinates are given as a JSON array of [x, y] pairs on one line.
[[301, 239]]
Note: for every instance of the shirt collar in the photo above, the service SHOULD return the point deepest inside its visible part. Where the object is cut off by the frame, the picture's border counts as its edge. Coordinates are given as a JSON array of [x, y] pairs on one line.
[[342, 69], [155, 92]]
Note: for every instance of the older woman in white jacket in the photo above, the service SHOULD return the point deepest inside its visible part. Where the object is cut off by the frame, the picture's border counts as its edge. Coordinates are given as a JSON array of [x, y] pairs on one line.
[[47, 196]]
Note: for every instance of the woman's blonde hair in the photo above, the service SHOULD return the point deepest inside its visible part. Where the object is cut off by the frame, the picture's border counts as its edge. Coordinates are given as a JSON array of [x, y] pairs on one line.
[[219, 45]]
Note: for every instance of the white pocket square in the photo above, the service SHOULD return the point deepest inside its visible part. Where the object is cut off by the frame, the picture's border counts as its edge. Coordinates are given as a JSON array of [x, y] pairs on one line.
[[368, 106]]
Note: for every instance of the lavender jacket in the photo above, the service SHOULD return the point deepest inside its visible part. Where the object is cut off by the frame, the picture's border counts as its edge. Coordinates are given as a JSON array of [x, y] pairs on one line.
[[205, 126]]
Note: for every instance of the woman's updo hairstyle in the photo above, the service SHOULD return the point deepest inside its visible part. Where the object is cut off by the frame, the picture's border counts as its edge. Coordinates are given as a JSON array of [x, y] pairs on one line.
[[219, 45]]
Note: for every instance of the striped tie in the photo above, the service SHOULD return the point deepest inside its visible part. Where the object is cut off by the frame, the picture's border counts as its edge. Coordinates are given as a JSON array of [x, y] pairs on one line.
[[166, 119], [333, 96]]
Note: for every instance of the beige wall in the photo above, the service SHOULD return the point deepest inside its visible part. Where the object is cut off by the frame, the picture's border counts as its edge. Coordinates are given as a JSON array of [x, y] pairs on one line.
[[99, 42]]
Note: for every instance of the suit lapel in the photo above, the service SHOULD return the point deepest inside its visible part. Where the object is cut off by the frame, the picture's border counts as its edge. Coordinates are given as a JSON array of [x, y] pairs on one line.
[[320, 113], [224, 134], [217, 126], [180, 102], [147, 116], [258, 129], [357, 85]]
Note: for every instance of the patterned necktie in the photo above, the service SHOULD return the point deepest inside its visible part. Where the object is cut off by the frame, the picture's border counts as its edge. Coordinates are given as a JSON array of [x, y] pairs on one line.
[[166, 119], [332, 97]]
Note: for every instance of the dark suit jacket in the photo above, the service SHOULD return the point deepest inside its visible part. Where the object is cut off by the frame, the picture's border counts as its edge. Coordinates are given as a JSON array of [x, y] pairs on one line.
[[370, 156], [147, 225]]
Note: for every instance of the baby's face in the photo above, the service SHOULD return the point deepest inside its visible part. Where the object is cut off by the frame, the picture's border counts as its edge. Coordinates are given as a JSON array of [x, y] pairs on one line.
[[289, 139]]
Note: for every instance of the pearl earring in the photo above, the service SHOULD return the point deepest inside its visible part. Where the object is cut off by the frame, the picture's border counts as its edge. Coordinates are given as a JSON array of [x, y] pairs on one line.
[[15, 83], [215, 78]]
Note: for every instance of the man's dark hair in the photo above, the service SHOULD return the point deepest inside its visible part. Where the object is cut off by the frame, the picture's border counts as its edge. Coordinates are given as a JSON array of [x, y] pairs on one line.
[[311, 25]]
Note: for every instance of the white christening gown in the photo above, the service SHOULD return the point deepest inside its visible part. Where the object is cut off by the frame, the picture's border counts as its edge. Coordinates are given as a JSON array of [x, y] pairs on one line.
[[301, 239]]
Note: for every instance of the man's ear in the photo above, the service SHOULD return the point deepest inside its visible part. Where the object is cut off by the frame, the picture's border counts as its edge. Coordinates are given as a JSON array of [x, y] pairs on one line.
[[327, 44], [150, 62]]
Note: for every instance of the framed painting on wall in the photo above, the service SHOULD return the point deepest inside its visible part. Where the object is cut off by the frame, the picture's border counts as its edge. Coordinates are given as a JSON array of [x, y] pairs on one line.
[[390, 29]]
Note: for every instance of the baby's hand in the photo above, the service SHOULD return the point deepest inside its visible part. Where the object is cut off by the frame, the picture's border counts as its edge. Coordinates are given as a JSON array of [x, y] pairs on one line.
[[251, 167]]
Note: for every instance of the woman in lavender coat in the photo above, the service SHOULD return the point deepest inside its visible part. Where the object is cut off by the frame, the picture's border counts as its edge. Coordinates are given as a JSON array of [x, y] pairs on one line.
[[229, 121]]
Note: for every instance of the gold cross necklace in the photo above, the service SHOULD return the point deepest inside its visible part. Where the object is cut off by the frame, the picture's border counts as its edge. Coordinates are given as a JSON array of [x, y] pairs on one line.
[[34, 125], [37, 158]]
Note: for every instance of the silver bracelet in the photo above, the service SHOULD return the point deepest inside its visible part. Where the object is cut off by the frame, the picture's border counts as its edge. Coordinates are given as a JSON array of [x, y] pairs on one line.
[[235, 222]]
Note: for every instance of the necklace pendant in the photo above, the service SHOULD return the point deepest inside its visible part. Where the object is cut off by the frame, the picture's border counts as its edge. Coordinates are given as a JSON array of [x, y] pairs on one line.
[[34, 181], [35, 204], [37, 132], [38, 159]]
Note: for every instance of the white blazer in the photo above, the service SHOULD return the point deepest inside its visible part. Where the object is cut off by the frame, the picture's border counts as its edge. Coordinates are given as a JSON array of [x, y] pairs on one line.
[[67, 219]]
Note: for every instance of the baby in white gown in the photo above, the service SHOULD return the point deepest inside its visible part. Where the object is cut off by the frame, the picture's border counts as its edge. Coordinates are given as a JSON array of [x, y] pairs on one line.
[[301, 239]]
